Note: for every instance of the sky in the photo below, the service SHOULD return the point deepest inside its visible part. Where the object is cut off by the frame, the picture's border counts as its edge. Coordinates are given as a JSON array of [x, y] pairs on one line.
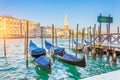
[[48, 12]]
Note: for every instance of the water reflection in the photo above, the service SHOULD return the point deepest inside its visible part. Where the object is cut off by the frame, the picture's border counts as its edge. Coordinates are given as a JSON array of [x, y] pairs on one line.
[[73, 71], [41, 73]]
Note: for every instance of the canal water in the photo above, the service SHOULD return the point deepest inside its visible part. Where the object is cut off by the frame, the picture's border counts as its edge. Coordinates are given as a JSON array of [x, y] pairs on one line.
[[13, 67]]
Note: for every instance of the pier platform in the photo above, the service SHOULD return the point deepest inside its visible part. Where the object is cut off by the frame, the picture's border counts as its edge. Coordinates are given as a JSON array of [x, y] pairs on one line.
[[114, 75]]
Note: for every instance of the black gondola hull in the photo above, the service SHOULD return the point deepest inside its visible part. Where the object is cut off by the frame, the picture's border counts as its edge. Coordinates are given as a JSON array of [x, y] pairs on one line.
[[79, 62]]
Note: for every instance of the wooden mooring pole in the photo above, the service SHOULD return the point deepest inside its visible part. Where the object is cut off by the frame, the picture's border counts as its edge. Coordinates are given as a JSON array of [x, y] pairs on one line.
[[4, 35], [108, 51], [108, 55], [77, 40], [21, 28], [4, 45], [69, 38], [25, 44], [52, 53], [87, 33], [114, 57], [52, 40], [118, 34], [99, 30], [100, 52], [99, 38], [41, 37], [94, 33], [72, 38], [84, 49], [83, 36], [109, 31], [94, 49], [27, 36], [56, 36], [90, 38]]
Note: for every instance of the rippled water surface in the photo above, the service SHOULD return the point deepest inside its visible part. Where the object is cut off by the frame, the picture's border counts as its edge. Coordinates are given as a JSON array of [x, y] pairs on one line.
[[13, 67]]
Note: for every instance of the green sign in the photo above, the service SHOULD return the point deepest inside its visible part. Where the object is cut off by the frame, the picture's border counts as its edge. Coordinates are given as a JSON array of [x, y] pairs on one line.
[[104, 19]]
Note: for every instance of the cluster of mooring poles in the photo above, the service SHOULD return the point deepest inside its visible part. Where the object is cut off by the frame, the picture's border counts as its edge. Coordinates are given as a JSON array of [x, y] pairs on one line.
[[25, 42], [97, 40]]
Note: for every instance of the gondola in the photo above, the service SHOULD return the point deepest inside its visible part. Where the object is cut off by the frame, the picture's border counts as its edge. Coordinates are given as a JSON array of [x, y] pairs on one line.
[[39, 56], [77, 43], [87, 42], [79, 48], [60, 54]]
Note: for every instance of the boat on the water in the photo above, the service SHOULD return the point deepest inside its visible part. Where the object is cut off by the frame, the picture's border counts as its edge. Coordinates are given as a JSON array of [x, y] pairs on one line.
[[39, 55], [60, 54], [80, 47], [87, 42], [77, 43]]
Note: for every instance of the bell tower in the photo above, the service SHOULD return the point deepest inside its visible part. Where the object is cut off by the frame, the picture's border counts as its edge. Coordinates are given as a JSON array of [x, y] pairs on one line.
[[66, 23]]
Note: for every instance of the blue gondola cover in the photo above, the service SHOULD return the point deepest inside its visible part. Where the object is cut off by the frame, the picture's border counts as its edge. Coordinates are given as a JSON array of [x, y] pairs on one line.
[[69, 57], [87, 42], [48, 45], [57, 50], [42, 60], [34, 50], [76, 43]]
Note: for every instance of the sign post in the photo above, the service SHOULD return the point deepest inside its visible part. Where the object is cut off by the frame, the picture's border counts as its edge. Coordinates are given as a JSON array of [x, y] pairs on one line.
[[104, 19]]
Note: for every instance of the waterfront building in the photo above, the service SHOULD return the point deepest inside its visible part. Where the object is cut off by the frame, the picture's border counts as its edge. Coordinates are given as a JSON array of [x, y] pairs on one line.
[[33, 28], [10, 25], [14, 27]]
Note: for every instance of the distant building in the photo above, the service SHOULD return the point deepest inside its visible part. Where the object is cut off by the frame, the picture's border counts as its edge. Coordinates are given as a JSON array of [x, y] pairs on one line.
[[47, 31]]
